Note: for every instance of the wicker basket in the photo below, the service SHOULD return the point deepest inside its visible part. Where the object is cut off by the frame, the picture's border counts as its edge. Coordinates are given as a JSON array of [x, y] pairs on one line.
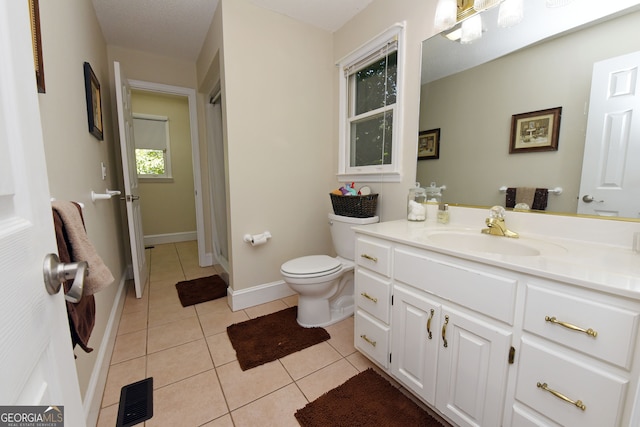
[[355, 206]]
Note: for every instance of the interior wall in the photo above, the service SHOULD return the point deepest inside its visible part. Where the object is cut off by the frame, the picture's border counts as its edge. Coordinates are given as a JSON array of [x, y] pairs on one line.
[[169, 207], [372, 21], [70, 36], [476, 137], [278, 132]]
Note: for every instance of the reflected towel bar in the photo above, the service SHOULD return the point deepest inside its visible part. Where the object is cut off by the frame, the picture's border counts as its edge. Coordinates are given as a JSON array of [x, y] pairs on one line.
[[557, 191]]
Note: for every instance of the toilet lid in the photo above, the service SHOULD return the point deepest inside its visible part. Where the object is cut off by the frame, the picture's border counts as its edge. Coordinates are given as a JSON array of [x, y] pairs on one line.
[[314, 264]]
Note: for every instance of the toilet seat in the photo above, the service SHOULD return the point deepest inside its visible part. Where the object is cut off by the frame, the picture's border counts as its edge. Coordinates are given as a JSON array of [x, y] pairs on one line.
[[311, 266]]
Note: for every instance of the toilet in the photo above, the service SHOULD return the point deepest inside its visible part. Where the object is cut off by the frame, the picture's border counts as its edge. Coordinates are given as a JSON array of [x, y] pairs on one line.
[[325, 284]]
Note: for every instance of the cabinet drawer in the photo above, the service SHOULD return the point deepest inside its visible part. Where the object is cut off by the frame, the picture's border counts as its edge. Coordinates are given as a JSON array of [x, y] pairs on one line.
[[601, 392], [372, 338], [616, 327], [373, 294], [374, 255], [480, 290]]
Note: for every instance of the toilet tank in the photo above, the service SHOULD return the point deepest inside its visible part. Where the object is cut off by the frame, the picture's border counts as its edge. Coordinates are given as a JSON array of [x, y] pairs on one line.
[[343, 237]]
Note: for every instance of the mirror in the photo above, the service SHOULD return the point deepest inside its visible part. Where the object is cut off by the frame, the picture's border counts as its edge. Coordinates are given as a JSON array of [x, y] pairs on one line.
[[471, 91]]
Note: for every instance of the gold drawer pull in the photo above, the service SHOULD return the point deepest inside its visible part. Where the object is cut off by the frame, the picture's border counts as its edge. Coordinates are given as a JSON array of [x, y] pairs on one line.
[[589, 331], [577, 403], [369, 297], [429, 323], [369, 257], [364, 337], [444, 331]]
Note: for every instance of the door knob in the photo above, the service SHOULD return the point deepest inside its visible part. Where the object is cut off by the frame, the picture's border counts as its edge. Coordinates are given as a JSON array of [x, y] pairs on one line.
[[588, 199], [56, 272]]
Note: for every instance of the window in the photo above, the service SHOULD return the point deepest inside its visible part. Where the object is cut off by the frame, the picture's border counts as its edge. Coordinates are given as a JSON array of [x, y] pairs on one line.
[[151, 137], [369, 118]]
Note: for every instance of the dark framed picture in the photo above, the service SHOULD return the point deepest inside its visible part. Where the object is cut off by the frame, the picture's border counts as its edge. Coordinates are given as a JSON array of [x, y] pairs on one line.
[[535, 131], [94, 101], [36, 40], [429, 144]]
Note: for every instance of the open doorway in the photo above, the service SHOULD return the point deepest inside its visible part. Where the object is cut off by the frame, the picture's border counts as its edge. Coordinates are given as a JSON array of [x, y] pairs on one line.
[[195, 187]]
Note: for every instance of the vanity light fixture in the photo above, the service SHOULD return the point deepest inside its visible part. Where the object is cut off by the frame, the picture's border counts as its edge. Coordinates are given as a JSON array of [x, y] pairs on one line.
[[471, 29], [557, 3], [446, 12], [511, 13]]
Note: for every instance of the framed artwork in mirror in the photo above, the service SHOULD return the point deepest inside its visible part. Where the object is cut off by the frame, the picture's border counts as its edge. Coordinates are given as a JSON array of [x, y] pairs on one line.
[[535, 131], [429, 144], [94, 104]]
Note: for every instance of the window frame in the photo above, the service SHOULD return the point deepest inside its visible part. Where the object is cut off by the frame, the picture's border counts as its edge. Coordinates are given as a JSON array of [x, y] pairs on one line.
[[375, 173], [168, 175]]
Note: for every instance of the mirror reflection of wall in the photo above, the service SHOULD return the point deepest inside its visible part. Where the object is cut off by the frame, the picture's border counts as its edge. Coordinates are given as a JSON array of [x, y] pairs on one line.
[[473, 111]]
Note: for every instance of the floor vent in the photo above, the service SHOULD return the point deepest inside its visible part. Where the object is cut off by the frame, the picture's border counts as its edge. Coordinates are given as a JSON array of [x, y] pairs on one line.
[[136, 403]]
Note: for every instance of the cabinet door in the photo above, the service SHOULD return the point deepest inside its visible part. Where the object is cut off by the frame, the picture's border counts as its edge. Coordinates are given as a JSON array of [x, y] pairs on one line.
[[472, 369], [414, 346]]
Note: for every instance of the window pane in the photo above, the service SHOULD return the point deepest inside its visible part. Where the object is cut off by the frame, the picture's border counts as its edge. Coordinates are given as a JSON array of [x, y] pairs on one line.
[[371, 90], [371, 140], [150, 162]]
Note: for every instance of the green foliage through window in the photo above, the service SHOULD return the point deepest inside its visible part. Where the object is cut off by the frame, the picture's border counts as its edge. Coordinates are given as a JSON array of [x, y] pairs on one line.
[[150, 162]]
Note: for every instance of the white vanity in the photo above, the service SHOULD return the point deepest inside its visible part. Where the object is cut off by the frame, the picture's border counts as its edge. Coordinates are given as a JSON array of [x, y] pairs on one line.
[[493, 331]]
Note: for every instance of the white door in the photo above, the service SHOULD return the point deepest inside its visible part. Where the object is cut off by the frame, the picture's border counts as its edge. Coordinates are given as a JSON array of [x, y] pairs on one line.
[[610, 183], [36, 359], [131, 190]]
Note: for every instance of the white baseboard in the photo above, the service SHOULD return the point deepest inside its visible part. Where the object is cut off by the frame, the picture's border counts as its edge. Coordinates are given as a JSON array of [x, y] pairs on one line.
[[159, 239], [95, 388], [261, 294]]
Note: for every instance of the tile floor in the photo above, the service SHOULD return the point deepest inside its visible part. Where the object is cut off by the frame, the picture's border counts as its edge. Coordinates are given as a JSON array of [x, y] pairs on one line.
[[196, 377]]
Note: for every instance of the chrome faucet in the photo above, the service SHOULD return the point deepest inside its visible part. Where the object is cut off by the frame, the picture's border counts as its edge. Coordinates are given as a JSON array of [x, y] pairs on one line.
[[496, 225]]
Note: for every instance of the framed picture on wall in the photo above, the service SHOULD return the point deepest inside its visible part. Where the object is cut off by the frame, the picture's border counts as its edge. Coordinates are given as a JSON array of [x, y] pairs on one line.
[[94, 101], [429, 144], [535, 131]]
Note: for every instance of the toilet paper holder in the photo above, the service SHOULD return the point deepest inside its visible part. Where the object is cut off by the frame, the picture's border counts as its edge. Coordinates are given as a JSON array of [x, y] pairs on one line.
[[257, 239]]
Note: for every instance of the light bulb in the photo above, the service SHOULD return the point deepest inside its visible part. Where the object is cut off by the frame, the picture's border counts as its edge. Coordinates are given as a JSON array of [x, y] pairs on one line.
[[511, 13], [446, 12], [471, 29], [484, 4]]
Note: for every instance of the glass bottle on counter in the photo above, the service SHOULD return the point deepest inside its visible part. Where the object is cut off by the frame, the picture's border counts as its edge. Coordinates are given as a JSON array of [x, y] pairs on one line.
[[434, 198], [416, 203]]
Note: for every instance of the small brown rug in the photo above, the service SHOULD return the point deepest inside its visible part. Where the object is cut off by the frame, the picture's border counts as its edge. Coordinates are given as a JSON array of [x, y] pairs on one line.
[[267, 338], [364, 400], [200, 290]]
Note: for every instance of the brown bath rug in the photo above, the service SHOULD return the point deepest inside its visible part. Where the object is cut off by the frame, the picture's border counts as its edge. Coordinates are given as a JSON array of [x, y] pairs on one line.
[[267, 338], [364, 400], [200, 290]]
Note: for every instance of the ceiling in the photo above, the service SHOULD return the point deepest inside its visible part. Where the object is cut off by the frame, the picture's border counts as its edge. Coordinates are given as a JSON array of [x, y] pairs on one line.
[[177, 28]]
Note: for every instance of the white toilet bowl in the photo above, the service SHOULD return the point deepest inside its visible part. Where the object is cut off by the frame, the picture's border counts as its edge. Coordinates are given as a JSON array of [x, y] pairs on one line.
[[325, 284]]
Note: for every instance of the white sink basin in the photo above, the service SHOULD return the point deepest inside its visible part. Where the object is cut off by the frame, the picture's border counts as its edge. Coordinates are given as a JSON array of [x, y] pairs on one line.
[[474, 241]]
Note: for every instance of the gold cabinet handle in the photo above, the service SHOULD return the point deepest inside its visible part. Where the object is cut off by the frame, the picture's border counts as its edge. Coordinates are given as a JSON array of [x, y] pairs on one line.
[[369, 257], [367, 339], [577, 403], [369, 297], [444, 331], [429, 323], [589, 331]]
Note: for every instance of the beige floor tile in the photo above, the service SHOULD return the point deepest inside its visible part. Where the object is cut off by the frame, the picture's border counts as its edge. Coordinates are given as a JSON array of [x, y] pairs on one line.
[[320, 382], [241, 387], [178, 363], [169, 275], [291, 301], [194, 271], [120, 375], [133, 304], [214, 323], [264, 309], [173, 334], [132, 322], [108, 416], [221, 350], [223, 421], [129, 346], [359, 361], [167, 313], [274, 410], [190, 402], [219, 305], [342, 336], [309, 360]]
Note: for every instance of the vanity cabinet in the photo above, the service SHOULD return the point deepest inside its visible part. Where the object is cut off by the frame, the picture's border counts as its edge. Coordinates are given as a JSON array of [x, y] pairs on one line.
[[490, 346], [453, 358]]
